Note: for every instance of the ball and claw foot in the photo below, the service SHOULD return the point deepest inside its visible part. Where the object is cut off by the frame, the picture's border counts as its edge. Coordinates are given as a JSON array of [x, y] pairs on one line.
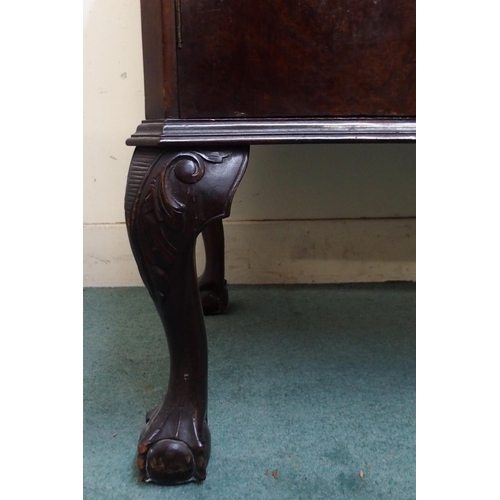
[[214, 299], [171, 461]]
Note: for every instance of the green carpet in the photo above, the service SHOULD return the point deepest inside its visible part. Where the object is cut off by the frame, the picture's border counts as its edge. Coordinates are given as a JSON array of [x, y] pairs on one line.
[[314, 382]]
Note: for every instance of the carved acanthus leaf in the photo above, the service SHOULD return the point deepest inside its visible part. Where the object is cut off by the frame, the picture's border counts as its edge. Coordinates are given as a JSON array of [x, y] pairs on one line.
[[169, 181]]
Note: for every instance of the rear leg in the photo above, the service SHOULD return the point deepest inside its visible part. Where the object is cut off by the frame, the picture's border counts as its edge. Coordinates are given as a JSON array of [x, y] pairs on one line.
[[212, 285]]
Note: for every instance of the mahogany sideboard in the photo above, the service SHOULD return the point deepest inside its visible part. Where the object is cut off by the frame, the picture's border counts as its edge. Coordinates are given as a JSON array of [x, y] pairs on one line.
[[221, 75]]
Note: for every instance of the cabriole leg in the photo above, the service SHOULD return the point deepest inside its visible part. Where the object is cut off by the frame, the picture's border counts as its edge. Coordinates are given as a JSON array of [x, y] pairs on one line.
[[172, 195]]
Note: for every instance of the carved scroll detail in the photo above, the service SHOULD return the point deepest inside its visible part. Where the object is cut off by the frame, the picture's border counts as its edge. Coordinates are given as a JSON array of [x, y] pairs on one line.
[[167, 188], [159, 194]]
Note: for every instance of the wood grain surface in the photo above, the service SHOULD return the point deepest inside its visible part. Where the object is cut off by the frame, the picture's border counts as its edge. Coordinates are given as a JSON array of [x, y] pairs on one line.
[[296, 58]]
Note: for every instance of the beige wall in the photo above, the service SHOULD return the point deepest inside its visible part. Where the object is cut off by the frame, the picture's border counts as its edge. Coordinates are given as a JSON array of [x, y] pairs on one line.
[[303, 213]]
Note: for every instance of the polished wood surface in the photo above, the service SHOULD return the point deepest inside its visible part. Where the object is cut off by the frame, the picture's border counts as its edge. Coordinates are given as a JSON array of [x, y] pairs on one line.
[[159, 59], [309, 58], [284, 131]]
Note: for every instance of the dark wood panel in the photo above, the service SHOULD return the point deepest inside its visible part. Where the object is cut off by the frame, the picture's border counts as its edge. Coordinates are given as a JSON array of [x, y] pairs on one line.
[[159, 58], [152, 54], [303, 58], [170, 60]]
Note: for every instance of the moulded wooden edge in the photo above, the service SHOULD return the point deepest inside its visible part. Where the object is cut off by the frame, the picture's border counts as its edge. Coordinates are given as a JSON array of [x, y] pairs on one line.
[[272, 131], [148, 133]]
